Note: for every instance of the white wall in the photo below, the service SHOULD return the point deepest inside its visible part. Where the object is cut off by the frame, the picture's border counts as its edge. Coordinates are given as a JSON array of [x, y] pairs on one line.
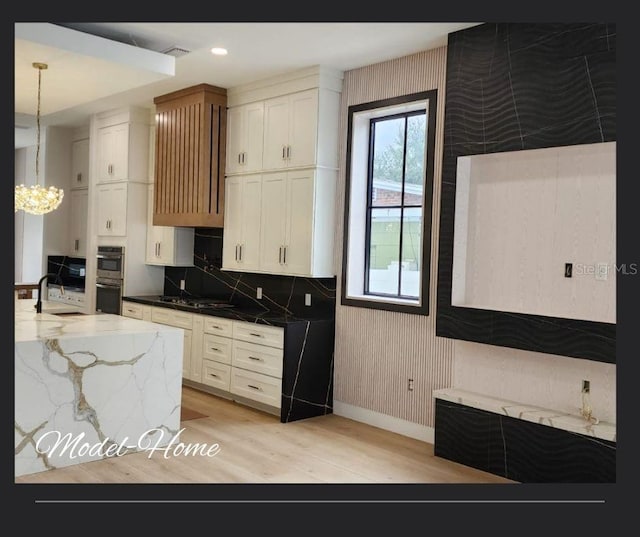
[[57, 173], [545, 380], [29, 227]]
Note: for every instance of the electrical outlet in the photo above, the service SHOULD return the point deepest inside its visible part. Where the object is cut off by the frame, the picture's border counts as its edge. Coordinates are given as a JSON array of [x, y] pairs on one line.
[[258, 292], [182, 285], [410, 385], [307, 299]]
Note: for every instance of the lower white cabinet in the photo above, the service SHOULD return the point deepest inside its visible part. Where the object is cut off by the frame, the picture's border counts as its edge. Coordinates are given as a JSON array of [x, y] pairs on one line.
[[136, 311], [236, 357]]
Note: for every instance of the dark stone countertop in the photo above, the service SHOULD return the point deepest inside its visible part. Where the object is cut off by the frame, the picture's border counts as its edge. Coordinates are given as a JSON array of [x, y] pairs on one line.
[[238, 313]]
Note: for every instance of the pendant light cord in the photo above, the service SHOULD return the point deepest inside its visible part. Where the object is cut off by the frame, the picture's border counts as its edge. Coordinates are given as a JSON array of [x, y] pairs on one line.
[[38, 129]]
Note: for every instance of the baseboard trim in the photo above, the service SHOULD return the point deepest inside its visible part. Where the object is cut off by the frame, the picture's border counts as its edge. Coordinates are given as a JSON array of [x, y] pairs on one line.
[[383, 421]]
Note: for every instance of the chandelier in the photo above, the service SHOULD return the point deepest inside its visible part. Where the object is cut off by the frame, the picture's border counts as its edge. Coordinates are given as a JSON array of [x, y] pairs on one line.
[[37, 199]]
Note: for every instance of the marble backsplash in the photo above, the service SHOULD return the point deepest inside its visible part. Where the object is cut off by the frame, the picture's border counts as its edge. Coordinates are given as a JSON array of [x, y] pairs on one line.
[[280, 294]]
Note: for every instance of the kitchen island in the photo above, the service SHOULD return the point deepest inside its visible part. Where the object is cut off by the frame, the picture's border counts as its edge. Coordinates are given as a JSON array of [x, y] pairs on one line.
[[99, 385]]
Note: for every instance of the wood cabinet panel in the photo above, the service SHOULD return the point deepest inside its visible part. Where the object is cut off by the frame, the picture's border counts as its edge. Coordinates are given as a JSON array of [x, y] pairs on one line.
[[190, 157]]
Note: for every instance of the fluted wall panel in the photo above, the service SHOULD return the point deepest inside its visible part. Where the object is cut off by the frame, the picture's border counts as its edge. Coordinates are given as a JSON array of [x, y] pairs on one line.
[[378, 351]]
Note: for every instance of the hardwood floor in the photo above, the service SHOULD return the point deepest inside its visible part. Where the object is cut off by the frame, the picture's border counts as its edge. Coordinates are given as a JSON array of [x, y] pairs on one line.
[[256, 448]]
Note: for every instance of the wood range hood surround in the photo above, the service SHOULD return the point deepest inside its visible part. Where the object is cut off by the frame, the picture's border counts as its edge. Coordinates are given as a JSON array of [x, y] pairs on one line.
[[190, 157]]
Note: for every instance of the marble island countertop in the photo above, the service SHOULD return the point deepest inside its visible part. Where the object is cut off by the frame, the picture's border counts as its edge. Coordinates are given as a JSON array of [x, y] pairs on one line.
[[544, 416], [32, 326], [102, 379], [28, 305]]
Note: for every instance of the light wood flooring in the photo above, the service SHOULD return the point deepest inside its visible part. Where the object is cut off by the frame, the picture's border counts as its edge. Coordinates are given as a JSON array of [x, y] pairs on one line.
[[256, 448]]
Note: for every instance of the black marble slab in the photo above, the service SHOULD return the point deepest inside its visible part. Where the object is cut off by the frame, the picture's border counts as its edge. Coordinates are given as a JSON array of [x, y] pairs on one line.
[[238, 312], [520, 450], [515, 86]]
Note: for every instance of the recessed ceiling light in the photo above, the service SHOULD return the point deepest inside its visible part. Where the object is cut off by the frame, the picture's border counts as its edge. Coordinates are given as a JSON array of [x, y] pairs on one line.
[[219, 51]]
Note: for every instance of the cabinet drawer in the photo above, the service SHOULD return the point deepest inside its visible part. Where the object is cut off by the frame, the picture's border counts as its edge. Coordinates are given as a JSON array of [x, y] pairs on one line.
[[262, 335], [217, 348], [256, 386], [131, 309], [257, 358], [172, 317], [216, 374], [218, 326]]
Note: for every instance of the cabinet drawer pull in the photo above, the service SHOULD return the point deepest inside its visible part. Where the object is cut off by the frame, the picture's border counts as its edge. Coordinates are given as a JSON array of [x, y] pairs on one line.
[[216, 327], [213, 375], [254, 387], [255, 358], [255, 335], [214, 349]]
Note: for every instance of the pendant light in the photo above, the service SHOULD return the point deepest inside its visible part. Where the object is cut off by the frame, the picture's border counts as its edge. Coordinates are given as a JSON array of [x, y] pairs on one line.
[[37, 199]]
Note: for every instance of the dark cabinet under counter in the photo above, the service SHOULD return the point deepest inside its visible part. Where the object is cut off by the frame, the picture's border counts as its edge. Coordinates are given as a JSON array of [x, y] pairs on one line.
[[279, 364]]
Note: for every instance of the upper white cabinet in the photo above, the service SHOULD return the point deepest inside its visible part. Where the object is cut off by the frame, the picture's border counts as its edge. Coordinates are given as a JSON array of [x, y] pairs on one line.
[[78, 222], [290, 130], [167, 246], [118, 159], [112, 210], [241, 244], [287, 230], [80, 164], [245, 138]]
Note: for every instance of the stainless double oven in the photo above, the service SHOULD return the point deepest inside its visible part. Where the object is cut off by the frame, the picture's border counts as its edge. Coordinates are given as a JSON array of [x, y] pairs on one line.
[[109, 279]]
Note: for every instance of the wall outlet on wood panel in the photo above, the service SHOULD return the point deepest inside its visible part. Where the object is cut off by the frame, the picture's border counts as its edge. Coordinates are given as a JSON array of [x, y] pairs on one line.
[[307, 299], [258, 292]]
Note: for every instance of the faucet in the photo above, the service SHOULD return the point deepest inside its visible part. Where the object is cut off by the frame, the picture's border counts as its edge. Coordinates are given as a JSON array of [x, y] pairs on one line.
[[38, 305]]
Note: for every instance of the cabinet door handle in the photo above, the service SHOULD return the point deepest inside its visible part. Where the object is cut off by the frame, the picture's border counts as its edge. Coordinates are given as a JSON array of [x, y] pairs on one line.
[[236, 252], [255, 358], [159, 248], [288, 152], [239, 158], [284, 152], [241, 251], [244, 157], [284, 257], [254, 387], [280, 255], [77, 244], [106, 224], [79, 177]]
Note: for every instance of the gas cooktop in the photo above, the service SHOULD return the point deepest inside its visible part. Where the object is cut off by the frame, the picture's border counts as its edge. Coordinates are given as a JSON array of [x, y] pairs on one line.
[[195, 302]]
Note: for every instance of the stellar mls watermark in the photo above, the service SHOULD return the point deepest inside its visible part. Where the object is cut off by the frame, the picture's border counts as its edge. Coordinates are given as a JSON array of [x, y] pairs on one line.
[[595, 269]]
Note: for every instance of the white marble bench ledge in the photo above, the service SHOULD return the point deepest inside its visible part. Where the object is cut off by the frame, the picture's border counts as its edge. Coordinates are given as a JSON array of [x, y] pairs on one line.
[[535, 414]]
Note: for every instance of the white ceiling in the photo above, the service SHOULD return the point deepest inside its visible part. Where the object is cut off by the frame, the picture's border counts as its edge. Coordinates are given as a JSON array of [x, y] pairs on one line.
[[89, 74]]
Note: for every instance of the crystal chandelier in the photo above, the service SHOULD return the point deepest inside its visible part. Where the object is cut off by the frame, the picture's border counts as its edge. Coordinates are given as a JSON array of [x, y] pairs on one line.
[[37, 199]]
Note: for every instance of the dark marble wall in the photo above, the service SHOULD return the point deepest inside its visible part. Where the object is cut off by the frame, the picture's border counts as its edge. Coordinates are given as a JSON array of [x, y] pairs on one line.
[[60, 265], [520, 450], [280, 294], [515, 86]]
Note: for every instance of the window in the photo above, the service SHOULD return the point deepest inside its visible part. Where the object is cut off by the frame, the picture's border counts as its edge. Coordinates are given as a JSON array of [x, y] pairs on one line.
[[388, 204]]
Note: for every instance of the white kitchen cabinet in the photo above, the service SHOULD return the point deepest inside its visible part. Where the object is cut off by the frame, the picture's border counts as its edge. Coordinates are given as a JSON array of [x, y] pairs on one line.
[[290, 130], [79, 207], [136, 311], [112, 210], [245, 138], [241, 245], [290, 235], [80, 164], [167, 246], [118, 156]]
